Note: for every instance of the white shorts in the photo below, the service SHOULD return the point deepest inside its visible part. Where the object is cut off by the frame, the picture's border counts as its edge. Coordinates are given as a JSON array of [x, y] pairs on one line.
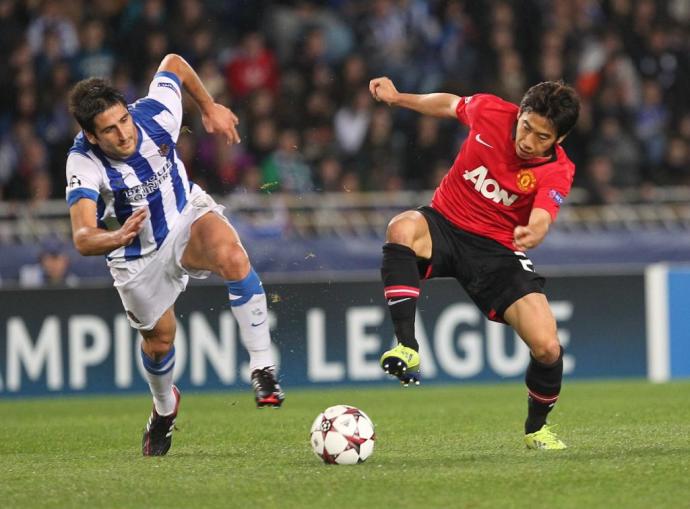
[[149, 285]]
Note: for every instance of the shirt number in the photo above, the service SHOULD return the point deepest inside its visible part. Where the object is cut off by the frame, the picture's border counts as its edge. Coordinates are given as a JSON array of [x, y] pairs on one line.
[[524, 261]]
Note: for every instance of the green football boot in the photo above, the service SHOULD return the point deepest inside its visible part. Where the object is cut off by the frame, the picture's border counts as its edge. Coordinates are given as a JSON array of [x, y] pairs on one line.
[[403, 363], [544, 439]]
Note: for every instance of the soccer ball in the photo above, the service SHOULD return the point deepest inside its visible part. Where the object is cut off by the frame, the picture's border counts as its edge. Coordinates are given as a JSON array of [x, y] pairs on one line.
[[342, 435]]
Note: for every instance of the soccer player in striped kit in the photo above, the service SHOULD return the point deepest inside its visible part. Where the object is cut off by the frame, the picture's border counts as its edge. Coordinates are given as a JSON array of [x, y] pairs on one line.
[[497, 200], [130, 199]]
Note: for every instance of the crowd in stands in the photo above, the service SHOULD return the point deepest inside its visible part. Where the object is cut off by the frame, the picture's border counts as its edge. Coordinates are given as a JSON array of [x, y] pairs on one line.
[[297, 73]]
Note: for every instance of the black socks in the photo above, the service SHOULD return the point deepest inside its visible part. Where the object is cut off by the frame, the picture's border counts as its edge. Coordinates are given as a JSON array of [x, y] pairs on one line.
[[401, 287], [543, 385]]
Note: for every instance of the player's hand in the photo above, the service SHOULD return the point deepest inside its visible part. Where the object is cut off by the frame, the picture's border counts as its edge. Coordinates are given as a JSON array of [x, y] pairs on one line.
[[382, 89], [221, 120], [132, 226], [525, 237]]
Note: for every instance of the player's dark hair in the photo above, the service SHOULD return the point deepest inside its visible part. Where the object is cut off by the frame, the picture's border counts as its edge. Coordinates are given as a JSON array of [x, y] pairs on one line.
[[555, 101], [90, 97]]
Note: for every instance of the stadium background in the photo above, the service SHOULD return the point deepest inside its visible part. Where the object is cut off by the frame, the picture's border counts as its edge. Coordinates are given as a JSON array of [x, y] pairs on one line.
[[322, 168]]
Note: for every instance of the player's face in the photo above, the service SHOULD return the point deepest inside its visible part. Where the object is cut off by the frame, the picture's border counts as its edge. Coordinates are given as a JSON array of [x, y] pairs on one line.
[[535, 135], [114, 132]]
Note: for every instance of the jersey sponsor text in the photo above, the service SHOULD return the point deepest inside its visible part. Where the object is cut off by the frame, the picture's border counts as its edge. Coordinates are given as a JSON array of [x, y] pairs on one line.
[[488, 187]]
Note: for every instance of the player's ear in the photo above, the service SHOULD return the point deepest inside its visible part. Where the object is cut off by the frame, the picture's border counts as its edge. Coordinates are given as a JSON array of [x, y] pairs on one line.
[[90, 136]]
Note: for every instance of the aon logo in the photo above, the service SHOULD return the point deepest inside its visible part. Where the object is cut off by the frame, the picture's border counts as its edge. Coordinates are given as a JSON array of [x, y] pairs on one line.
[[489, 187]]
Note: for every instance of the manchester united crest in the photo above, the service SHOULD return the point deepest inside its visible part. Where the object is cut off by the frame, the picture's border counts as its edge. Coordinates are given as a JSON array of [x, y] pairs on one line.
[[526, 180]]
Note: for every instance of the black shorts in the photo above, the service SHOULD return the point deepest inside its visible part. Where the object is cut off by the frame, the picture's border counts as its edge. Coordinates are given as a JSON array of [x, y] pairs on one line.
[[492, 275]]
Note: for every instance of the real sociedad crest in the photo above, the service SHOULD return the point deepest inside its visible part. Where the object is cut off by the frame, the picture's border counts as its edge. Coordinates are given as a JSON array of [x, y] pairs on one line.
[[163, 150]]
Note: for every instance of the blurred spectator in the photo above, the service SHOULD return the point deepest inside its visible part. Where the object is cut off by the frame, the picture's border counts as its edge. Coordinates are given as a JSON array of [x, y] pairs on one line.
[[289, 24], [511, 80], [122, 79], [620, 149], [253, 68], [312, 51], [231, 164], [94, 58], [285, 169], [22, 157], [429, 147], [457, 43], [600, 173], [52, 22], [48, 55], [329, 175], [351, 122], [11, 28], [212, 79], [263, 139], [193, 30], [388, 43], [317, 126], [676, 163], [353, 77], [379, 157], [52, 269], [143, 35], [350, 182], [650, 125], [250, 181]]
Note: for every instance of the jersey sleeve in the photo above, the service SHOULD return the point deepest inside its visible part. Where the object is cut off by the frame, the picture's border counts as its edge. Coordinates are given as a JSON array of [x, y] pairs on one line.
[[166, 89], [83, 179], [554, 189], [469, 108]]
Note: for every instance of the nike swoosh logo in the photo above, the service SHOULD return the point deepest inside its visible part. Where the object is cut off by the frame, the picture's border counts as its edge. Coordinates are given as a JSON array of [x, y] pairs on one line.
[[257, 324], [478, 138], [394, 302]]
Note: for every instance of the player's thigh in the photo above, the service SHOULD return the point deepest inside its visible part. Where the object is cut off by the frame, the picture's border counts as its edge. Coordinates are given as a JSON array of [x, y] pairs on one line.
[[213, 242], [532, 319], [411, 229]]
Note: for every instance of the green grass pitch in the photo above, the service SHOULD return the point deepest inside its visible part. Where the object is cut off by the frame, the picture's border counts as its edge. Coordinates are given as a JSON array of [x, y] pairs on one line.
[[437, 446]]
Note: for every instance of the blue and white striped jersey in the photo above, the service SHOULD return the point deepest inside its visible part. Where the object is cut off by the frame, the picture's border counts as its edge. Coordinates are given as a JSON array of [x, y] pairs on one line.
[[152, 177]]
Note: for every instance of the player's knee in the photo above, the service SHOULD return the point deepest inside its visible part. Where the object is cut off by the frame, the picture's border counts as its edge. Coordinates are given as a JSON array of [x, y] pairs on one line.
[[401, 230], [158, 347], [546, 351], [233, 262]]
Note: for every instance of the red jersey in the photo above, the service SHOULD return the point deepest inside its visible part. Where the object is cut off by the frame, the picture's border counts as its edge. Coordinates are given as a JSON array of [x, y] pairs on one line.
[[489, 190]]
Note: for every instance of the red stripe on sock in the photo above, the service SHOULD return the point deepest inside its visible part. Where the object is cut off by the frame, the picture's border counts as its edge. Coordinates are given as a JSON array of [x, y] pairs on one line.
[[401, 287], [400, 291], [543, 399]]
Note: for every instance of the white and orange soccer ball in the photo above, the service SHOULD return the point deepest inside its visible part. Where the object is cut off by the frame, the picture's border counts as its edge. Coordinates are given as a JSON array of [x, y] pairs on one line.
[[342, 435]]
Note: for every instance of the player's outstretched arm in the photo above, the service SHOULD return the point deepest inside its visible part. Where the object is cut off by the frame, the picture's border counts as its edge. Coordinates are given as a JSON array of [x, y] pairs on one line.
[[215, 117], [435, 105], [91, 240], [530, 236]]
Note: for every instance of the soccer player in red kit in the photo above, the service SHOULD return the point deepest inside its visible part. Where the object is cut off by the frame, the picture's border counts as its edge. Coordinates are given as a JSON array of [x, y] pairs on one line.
[[497, 201]]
